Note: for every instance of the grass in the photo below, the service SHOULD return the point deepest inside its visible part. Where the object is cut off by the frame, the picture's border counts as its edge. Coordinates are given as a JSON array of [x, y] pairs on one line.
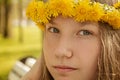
[[12, 50]]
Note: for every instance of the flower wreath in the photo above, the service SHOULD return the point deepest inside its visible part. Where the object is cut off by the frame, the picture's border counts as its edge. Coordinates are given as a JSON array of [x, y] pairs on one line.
[[80, 10]]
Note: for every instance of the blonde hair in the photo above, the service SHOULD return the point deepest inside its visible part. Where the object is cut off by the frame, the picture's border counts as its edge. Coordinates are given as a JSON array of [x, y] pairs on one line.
[[109, 60]]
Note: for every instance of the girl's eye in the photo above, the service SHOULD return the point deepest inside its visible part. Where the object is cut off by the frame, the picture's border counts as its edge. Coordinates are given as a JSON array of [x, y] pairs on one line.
[[53, 30], [85, 33]]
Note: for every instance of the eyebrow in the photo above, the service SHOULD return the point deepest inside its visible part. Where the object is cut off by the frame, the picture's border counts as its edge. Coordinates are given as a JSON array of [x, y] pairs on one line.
[[52, 22], [86, 23]]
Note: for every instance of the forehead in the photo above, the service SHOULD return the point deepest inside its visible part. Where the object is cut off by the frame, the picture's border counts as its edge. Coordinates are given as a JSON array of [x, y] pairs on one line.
[[67, 21]]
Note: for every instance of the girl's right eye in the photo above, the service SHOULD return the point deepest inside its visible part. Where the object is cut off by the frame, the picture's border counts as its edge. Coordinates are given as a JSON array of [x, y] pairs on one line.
[[53, 30]]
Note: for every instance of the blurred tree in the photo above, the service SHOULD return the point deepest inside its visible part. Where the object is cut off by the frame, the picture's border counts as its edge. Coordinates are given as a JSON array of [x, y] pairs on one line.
[[20, 6], [5, 10], [0, 16]]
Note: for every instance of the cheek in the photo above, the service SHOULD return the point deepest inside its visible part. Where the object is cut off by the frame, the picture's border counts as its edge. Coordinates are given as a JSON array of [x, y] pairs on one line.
[[49, 45], [87, 52], [50, 41]]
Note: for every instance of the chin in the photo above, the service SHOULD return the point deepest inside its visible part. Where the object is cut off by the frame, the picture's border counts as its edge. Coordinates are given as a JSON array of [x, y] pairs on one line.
[[63, 78]]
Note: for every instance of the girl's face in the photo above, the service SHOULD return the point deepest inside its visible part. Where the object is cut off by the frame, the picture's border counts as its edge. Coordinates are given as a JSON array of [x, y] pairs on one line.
[[71, 49]]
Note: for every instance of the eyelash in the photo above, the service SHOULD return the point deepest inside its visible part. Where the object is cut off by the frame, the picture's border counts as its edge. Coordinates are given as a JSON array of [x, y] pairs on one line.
[[84, 32]]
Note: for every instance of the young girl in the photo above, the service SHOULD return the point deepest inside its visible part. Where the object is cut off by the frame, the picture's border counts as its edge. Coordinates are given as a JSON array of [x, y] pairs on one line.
[[81, 40]]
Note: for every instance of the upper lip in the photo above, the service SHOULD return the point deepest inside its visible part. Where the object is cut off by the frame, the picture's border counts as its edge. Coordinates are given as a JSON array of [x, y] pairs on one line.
[[64, 67]]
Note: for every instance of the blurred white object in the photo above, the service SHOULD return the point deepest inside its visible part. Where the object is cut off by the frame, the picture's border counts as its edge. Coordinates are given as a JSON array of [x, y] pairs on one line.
[[21, 68], [30, 62]]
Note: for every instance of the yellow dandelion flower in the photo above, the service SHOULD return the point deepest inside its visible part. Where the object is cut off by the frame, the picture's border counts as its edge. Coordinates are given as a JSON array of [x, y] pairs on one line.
[[31, 11], [112, 18], [116, 23], [81, 11], [41, 26], [42, 13], [63, 7], [52, 6], [95, 12], [117, 5]]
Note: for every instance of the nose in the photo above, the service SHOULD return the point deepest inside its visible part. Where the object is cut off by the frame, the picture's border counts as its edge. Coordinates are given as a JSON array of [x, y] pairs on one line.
[[64, 49]]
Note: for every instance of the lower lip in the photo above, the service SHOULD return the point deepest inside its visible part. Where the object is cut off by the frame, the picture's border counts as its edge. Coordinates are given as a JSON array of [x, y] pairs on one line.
[[63, 70]]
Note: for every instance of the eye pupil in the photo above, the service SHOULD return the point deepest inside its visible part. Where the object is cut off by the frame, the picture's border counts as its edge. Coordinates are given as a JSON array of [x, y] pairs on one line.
[[53, 30], [84, 32]]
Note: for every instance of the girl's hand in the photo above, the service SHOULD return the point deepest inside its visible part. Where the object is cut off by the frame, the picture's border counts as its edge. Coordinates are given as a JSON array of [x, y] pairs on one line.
[[34, 73]]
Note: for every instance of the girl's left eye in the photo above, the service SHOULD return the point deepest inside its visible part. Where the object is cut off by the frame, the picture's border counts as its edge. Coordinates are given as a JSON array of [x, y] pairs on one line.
[[84, 33]]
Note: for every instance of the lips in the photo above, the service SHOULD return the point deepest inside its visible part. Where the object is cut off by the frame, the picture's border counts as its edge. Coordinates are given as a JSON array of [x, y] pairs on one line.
[[63, 69]]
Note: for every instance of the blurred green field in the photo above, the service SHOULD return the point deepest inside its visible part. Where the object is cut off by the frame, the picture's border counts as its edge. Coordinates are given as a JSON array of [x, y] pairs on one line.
[[12, 50]]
